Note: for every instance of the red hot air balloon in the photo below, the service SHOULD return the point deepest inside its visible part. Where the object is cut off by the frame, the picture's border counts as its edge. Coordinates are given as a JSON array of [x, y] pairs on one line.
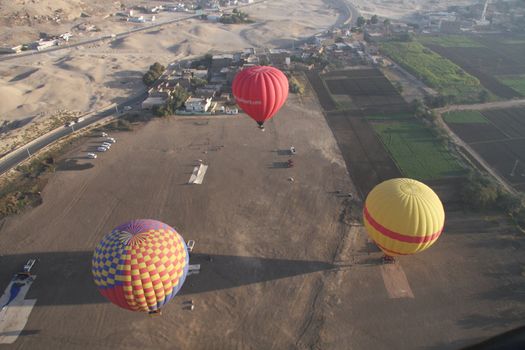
[[260, 91]]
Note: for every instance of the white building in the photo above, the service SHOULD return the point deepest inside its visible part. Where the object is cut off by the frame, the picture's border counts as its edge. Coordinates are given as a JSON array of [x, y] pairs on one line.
[[194, 104], [10, 49], [45, 44], [139, 19], [152, 102]]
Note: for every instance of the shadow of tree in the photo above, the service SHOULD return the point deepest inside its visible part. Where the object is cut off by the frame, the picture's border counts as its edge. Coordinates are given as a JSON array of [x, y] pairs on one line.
[[72, 164]]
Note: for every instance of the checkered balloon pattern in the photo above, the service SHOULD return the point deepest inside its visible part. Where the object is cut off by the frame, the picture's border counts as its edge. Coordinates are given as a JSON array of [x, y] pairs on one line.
[[140, 265]]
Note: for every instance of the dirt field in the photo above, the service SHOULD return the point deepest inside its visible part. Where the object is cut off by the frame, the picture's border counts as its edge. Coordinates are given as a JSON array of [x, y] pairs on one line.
[[500, 140], [366, 89], [367, 160], [270, 239], [283, 264]]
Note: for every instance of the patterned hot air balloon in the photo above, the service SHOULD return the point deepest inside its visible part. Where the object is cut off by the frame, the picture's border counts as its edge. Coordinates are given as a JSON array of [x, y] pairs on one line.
[[140, 265], [260, 91], [403, 216]]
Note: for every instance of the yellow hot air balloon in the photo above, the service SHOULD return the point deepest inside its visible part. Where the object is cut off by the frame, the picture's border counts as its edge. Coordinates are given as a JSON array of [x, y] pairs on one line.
[[403, 216]]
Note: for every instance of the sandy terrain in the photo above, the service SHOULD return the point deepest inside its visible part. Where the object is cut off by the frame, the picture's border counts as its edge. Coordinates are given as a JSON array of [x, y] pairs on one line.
[[288, 270], [247, 216], [93, 76]]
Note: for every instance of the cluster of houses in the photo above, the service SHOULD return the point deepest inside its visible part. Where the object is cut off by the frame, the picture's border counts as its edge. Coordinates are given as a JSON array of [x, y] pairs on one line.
[[42, 44], [209, 87], [484, 15]]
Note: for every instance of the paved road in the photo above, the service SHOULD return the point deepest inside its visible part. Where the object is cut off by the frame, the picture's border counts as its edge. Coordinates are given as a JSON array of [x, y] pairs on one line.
[[23, 153], [109, 37]]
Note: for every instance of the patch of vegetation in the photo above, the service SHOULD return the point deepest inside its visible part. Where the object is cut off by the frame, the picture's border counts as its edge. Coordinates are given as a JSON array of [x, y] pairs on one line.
[[295, 86], [450, 41], [482, 193], [416, 150], [390, 116], [154, 72], [465, 117], [177, 99], [434, 70], [24, 190], [118, 125], [198, 82], [237, 16], [515, 82]]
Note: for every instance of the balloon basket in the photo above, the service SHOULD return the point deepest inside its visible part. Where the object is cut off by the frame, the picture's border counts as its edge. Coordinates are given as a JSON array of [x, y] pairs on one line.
[[387, 259], [155, 313]]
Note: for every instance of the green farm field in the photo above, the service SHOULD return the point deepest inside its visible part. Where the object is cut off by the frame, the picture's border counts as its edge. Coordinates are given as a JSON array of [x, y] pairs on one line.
[[450, 41], [465, 117], [434, 70], [416, 151], [516, 82]]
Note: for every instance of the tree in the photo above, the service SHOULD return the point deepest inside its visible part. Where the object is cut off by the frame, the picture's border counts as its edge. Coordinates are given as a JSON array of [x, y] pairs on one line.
[[208, 58], [374, 19], [295, 86], [386, 22], [479, 192], [198, 82], [178, 97], [483, 95], [154, 72], [360, 21]]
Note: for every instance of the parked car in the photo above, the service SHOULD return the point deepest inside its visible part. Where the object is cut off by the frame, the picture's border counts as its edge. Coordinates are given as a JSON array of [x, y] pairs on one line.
[[106, 144], [111, 139], [92, 155], [128, 108], [101, 149], [104, 134]]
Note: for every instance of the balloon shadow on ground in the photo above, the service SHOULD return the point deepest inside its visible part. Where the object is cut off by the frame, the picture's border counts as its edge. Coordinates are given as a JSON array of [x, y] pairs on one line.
[[64, 278], [21, 333], [279, 165], [72, 164]]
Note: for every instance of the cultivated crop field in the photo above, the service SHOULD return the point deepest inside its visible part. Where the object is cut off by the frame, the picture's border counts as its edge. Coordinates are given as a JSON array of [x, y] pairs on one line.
[[366, 159], [381, 140], [434, 70], [496, 60], [363, 89], [498, 135], [416, 150]]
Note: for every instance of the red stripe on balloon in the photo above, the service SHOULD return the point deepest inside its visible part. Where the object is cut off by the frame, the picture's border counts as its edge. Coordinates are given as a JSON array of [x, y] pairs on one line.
[[393, 252], [115, 294], [398, 236]]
